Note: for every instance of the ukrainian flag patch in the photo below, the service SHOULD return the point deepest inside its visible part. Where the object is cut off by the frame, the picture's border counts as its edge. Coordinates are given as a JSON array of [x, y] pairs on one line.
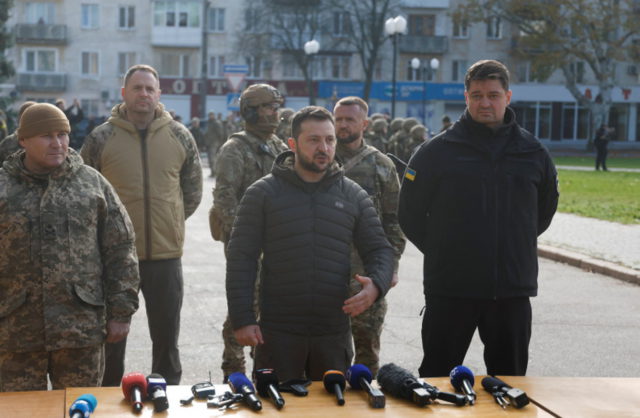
[[410, 174]]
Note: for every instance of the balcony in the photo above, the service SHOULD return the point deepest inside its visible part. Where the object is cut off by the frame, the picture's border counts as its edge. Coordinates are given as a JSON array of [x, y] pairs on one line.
[[423, 44], [41, 82], [163, 36], [41, 33]]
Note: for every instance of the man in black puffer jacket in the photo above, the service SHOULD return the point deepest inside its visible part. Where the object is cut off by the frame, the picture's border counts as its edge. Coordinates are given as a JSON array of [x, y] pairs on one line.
[[474, 200], [303, 218]]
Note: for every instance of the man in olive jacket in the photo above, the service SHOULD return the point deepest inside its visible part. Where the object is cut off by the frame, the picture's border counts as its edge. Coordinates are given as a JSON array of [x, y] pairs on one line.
[[68, 268], [303, 219]]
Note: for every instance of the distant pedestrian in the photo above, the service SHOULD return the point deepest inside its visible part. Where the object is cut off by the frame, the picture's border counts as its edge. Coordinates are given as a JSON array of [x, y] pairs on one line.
[[603, 135], [10, 143], [446, 123]]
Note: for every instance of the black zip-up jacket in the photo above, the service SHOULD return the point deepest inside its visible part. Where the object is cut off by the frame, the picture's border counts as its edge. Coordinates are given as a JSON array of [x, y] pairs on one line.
[[475, 211], [305, 232]]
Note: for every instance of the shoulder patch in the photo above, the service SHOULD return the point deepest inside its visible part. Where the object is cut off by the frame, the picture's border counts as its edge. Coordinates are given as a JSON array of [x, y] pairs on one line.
[[410, 174]]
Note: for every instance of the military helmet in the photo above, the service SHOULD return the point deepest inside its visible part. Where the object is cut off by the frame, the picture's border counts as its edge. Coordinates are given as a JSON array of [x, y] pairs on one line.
[[409, 123], [396, 124], [418, 132], [285, 114], [379, 124], [256, 95]]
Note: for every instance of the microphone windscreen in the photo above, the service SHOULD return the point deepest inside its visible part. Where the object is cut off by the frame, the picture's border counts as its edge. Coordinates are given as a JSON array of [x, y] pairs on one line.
[[459, 374], [155, 381], [397, 381], [91, 401], [131, 380], [332, 377], [264, 378], [356, 372], [491, 383], [237, 380]]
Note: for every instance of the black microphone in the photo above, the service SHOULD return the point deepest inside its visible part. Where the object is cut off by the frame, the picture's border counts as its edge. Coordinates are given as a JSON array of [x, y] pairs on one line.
[[242, 385], [334, 382], [401, 383], [454, 398], [157, 392], [499, 390], [462, 380], [360, 377], [83, 406], [133, 386], [267, 384]]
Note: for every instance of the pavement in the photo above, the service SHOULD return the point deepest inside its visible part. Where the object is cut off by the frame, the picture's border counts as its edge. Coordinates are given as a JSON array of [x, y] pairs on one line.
[[585, 323]]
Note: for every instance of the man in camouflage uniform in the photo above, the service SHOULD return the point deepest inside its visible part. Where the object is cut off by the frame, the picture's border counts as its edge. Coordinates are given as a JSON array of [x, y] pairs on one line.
[[417, 136], [196, 132], [10, 143], [68, 269], [376, 174], [246, 157], [285, 116], [212, 140], [394, 128], [402, 136], [378, 137], [154, 165]]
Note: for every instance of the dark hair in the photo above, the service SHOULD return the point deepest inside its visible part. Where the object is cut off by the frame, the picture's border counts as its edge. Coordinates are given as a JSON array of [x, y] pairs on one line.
[[487, 70], [309, 112], [354, 100], [140, 67]]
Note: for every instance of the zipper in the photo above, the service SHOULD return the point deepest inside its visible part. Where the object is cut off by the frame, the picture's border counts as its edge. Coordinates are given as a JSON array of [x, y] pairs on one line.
[[146, 202]]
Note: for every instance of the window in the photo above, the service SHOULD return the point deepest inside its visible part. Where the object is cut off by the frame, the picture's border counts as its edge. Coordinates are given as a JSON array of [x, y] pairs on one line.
[[341, 23], [39, 12], [494, 28], [90, 64], [458, 70], [90, 16], [535, 117], [575, 122], [216, 19], [334, 67], [421, 72], [126, 17], [290, 69], [413, 74], [175, 65], [216, 66], [40, 60], [460, 29], [125, 61], [577, 71], [422, 25], [255, 67], [177, 13], [251, 20]]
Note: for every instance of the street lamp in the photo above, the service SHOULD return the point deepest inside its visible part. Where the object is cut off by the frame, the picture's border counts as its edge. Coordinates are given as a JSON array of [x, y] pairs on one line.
[[311, 48], [430, 71], [394, 26]]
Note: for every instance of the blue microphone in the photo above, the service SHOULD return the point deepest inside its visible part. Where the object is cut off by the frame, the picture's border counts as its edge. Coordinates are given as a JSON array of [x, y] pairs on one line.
[[83, 406], [462, 380], [157, 392], [241, 384], [359, 377]]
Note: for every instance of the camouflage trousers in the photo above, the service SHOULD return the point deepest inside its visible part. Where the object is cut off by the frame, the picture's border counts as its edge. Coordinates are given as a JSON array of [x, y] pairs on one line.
[[366, 329], [66, 367]]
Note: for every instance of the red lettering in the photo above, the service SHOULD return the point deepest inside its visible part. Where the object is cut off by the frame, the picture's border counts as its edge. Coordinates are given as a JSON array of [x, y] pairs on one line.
[[626, 93], [587, 94]]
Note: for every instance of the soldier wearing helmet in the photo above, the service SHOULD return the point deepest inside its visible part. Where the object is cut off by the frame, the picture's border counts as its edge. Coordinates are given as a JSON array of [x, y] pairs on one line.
[[284, 128], [378, 136], [244, 158]]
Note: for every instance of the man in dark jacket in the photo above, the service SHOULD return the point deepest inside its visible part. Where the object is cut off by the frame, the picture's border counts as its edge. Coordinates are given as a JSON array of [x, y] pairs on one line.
[[473, 200], [303, 218]]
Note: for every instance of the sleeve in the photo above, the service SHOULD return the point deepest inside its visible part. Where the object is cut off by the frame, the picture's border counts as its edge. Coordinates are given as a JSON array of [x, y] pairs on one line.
[[372, 245], [229, 176], [191, 177], [416, 195], [547, 195], [243, 252], [118, 251], [389, 198], [90, 151]]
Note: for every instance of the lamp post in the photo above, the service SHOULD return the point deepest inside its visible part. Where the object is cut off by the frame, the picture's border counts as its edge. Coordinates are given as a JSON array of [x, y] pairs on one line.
[[311, 48], [394, 27], [430, 70]]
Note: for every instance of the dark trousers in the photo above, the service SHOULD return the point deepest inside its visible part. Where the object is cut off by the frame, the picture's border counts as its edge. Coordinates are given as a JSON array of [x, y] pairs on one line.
[[601, 156], [448, 325], [162, 286]]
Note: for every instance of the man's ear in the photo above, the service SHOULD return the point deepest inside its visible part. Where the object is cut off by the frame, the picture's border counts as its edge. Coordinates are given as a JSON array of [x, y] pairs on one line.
[[292, 144]]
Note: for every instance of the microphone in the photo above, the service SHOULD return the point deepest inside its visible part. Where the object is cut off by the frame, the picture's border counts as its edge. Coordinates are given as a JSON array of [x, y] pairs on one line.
[[157, 392], [462, 380], [242, 385], [402, 384], [133, 386], [499, 390], [359, 377], [267, 384], [334, 382], [83, 406]]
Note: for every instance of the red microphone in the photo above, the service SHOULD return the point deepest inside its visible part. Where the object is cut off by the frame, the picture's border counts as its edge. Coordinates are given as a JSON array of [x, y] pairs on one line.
[[134, 385]]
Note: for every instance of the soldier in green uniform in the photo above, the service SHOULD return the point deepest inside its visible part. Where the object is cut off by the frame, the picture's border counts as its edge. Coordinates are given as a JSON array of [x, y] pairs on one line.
[[10, 143], [376, 174], [417, 136], [285, 116], [378, 137], [247, 156], [68, 270], [212, 140]]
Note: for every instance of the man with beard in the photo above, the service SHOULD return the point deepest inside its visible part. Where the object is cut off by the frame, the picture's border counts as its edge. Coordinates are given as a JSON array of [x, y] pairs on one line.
[[246, 156], [376, 174], [303, 219]]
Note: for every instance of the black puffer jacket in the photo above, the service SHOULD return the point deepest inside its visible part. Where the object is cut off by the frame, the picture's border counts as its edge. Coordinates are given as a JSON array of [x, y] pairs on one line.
[[475, 211], [304, 231]]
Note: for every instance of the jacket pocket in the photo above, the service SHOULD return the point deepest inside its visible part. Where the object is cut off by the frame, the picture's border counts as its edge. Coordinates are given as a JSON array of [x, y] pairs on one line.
[[90, 296]]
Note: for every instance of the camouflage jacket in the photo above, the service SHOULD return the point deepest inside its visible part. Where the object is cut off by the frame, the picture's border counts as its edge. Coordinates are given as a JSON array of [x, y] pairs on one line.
[[377, 140], [242, 160], [8, 146], [214, 135], [376, 174], [68, 263], [158, 178]]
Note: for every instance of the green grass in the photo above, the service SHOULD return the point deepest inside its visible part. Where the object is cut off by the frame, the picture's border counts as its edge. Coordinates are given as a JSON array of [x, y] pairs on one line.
[[612, 196], [587, 161]]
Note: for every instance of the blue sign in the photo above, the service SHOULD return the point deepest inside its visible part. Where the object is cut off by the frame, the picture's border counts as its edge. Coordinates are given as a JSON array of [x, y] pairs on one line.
[[382, 90], [235, 68], [233, 101]]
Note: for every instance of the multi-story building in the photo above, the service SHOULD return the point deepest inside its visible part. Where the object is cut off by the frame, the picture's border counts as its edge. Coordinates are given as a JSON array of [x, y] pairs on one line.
[[81, 49]]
